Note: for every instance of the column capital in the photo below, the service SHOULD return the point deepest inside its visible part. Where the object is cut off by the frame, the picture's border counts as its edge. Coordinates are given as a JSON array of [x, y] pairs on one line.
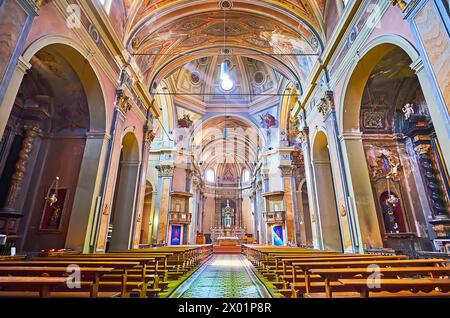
[[287, 171], [165, 170]]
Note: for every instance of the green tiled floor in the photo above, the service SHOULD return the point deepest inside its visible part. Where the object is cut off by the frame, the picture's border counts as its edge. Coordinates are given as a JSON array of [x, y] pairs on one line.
[[224, 276]]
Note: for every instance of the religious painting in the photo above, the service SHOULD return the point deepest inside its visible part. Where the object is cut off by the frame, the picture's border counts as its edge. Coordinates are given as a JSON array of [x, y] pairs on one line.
[[175, 235], [268, 121], [185, 121], [277, 235], [52, 216]]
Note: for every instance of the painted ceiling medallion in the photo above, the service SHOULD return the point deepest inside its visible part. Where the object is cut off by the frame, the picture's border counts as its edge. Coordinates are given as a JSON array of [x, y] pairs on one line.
[[259, 78], [195, 78]]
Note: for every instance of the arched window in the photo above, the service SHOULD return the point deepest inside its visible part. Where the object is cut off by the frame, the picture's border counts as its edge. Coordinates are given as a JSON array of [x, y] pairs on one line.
[[210, 175], [246, 176]]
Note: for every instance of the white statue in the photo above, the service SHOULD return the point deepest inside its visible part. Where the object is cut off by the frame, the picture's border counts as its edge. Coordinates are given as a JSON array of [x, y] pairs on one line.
[[408, 111]]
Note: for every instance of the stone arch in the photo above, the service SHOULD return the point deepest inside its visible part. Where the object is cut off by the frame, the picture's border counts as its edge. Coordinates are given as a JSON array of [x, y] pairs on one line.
[[87, 175], [79, 58], [359, 73]]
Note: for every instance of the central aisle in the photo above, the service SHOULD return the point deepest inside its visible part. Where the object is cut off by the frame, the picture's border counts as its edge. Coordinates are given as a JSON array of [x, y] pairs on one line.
[[223, 276]]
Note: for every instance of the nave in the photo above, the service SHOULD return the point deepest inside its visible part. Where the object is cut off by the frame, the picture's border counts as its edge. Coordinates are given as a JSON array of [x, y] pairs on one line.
[[260, 271], [223, 276]]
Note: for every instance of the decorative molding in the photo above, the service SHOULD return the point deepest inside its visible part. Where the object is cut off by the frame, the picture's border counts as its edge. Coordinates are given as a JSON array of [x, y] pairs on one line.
[[287, 171], [165, 170], [149, 136], [326, 104], [422, 149], [123, 101]]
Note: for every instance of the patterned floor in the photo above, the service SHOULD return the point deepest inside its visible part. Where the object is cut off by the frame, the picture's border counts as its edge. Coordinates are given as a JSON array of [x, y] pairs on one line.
[[223, 276]]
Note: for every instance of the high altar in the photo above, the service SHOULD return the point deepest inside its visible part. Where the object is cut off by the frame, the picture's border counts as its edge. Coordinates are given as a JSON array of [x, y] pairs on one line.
[[229, 234]]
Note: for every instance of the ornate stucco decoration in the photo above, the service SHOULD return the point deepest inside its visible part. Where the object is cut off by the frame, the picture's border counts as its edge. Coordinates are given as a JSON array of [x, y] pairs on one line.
[[287, 171], [149, 137], [422, 149], [326, 103], [302, 137], [342, 210], [123, 101], [402, 4], [383, 163], [165, 170]]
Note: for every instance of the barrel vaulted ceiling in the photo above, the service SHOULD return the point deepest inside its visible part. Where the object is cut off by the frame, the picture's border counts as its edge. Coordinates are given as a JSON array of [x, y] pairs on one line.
[[164, 35]]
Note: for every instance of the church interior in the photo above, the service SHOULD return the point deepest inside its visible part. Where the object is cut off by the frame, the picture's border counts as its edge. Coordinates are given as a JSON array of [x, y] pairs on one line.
[[224, 148]]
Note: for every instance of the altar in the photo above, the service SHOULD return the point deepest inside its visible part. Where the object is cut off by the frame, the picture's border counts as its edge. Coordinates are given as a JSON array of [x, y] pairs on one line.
[[228, 240]]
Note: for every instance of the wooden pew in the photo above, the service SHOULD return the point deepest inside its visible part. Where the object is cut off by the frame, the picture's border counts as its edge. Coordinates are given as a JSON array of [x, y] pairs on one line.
[[88, 274], [141, 280], [44, 284], [123, 266], [426, 285], [334, 274], [305, 267]]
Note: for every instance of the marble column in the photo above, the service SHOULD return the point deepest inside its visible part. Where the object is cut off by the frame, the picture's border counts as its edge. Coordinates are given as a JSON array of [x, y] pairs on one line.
[[120, 109], [260, 208], [360, 190], [312, 195], [149, 135], [162, 206], [287, 173], [194, 210], [350, 234], [81, 226]]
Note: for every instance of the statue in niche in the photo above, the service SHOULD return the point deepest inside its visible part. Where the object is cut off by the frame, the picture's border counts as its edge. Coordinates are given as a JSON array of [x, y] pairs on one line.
[[408, 111], [390, 223], [392, 213], [228, 216]]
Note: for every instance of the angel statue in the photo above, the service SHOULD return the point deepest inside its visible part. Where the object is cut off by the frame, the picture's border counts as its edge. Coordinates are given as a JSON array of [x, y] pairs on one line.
[[408, 111]]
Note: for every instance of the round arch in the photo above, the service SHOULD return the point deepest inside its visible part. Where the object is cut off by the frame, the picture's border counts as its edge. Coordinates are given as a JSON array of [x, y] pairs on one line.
[[359, 73], [89, 76], [247, 119]]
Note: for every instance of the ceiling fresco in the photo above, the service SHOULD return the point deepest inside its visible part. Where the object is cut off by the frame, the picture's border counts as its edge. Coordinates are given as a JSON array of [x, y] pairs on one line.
[[199, 80], [285, 31]]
